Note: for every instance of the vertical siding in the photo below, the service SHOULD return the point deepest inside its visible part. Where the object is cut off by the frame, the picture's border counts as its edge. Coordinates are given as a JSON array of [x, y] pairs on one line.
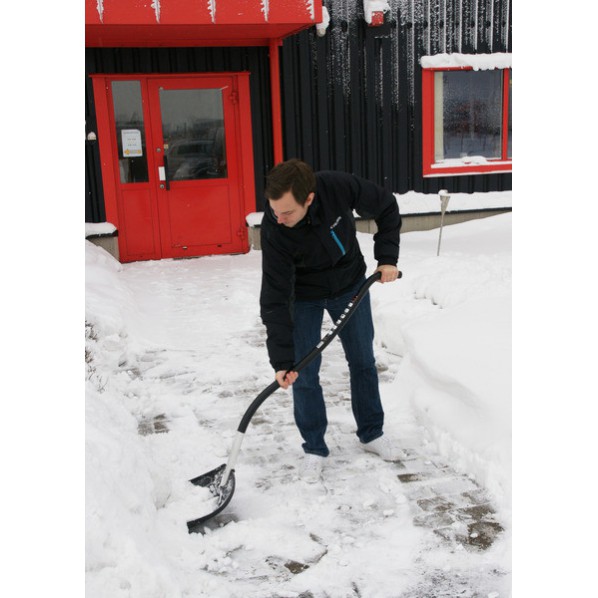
[[351, 99], [370, 123], [94, 194], [180, 60]]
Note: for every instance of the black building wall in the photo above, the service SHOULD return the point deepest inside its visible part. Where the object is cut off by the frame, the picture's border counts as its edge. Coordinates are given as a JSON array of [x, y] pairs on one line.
[[351, 99], [179, 60]]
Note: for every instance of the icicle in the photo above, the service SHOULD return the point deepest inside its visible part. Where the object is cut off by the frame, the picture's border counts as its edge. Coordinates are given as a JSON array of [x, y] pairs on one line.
[[156, 7], [266, 9], [321, 27], [100, 9]]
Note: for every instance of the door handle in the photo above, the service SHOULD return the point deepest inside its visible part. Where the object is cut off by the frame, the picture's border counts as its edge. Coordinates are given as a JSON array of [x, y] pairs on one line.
[[166, 179]]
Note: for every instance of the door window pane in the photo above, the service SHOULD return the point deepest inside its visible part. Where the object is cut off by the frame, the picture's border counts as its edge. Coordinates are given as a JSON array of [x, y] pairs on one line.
[[130, 131], [468, 114], [193, 132]]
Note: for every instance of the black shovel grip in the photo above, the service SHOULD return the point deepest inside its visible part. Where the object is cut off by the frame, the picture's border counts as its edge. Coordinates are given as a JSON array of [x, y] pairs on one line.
[[330, 335]]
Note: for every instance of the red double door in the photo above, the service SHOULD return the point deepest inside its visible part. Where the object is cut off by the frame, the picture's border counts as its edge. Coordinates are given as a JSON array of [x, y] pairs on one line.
[[177, 163]]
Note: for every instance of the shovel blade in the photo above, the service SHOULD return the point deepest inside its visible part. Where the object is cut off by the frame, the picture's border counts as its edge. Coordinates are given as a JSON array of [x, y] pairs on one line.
[[212, 480]]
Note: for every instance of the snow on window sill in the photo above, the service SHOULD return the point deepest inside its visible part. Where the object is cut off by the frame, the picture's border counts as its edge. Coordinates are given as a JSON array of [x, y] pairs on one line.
[[477, 62], [467, 165], [469, 161]]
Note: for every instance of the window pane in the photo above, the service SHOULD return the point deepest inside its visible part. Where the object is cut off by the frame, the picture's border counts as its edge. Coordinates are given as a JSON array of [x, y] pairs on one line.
[[193, 131], [470, 121], [130, 131]]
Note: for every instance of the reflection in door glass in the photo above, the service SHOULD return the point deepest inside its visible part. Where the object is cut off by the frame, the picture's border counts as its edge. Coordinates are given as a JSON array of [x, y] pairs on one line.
[[130, 132], [193, 131]]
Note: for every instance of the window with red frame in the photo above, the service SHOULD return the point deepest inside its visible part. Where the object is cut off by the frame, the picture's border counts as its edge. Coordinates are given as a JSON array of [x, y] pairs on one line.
[[466, 121]]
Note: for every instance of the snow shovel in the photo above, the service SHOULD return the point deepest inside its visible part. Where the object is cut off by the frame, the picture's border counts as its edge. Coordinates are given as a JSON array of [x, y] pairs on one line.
[[221, 481]]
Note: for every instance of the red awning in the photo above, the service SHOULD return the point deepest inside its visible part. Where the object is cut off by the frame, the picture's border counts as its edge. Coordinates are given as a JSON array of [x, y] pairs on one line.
[[133, 23]]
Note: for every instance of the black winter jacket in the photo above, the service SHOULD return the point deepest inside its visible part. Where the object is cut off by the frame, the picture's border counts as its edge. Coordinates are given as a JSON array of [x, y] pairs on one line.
[[320, 256]]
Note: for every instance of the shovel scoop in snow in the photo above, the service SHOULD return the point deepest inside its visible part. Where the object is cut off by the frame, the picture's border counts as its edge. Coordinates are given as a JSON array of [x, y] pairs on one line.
[[222, 490], [221, 481]]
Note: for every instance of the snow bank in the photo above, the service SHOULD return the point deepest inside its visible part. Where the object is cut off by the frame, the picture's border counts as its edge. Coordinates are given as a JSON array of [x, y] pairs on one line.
[[457, 376], [413, 202], [108, 301], [99, 228], [448, 323], [452, 324]]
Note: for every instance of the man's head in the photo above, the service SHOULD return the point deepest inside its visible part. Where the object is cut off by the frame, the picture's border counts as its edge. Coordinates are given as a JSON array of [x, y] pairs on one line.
[[290, 190]]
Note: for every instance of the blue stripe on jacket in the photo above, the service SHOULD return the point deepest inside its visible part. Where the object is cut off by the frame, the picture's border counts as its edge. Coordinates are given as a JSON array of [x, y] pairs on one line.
[[337, 241]]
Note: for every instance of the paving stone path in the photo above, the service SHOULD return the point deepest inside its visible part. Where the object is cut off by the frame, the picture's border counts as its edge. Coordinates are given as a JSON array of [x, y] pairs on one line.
[[359, 493]]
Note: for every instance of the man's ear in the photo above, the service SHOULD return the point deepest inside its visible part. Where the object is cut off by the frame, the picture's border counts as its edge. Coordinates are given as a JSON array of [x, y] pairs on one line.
[[309, 199]]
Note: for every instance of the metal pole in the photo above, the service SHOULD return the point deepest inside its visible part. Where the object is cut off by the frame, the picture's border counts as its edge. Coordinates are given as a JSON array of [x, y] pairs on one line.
[[444, 199]]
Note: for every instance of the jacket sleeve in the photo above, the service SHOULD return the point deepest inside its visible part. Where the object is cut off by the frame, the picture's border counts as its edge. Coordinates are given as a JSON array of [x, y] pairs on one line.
[[373, 201], [276, 300]]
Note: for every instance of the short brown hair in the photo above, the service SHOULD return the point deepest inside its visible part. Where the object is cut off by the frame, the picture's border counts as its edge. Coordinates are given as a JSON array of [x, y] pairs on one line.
[[294, 176]]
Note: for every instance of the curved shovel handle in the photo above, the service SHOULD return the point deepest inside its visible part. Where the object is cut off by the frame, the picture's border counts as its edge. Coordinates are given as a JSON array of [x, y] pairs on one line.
[[221, 481], [330, 335]]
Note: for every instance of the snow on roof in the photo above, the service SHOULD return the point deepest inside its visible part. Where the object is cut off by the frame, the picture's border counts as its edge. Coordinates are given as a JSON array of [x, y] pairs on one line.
[[370, 6], [478, 62]]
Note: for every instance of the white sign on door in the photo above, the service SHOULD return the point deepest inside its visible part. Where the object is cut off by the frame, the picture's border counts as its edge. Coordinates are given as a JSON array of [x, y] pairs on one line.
[[131, 139]]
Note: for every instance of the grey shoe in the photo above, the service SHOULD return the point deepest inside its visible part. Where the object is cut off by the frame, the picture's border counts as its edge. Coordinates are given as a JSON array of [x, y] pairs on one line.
[[384, 447], [311, 468]]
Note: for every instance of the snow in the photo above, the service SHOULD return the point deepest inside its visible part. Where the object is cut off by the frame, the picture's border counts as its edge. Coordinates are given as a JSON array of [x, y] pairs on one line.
[[413, 202], [179, 343], [371, 6], [100, 9], [99, 228], [156, 6], [322, 26], [478, 62]]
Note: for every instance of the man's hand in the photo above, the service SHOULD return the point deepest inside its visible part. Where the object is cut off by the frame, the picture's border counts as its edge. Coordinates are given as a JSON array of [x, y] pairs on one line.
[[389, 273], [285, 379]]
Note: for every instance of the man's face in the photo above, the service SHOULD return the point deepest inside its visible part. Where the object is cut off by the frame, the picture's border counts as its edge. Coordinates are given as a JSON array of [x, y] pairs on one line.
[[287, 211]]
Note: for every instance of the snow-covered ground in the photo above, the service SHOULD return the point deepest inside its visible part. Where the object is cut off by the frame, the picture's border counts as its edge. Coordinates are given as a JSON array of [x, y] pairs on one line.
[[175, 353]]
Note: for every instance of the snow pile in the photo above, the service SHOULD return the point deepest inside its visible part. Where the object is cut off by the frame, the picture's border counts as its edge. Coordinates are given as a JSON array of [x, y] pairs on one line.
[[457, 345], [414, 202], [179, 343], [99, 228], [107, 297], [429, 203]]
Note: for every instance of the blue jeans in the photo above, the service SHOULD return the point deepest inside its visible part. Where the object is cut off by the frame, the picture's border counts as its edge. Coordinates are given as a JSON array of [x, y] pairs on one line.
[[357, 339]]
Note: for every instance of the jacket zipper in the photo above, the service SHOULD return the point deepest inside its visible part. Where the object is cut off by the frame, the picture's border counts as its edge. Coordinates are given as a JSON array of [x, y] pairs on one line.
[[337, 241]]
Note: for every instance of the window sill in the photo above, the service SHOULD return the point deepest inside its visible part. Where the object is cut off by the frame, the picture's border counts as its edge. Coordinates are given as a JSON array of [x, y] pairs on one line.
[[467, 166]]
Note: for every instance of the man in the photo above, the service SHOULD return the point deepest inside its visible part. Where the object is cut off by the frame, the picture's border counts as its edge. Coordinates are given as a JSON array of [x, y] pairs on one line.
[[311, 262]]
